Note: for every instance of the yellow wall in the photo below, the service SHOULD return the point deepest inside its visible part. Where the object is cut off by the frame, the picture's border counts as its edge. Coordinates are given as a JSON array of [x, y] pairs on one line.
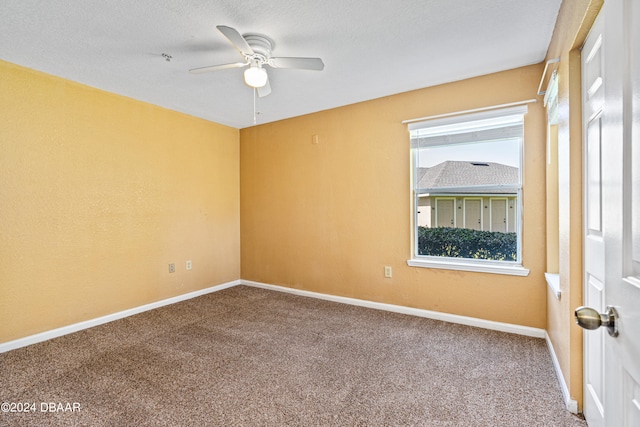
[[328, 217], [99, 194], [573, 24]]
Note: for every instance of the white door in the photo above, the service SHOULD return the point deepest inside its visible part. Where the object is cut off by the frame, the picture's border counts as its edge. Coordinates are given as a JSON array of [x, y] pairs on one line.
[[445, 212], [612, 199], [473, 213], [498, 214]]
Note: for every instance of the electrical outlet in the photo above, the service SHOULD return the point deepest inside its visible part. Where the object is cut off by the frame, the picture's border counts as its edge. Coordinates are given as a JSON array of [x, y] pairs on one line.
[[188, 266], [388, 272], [172, 268]]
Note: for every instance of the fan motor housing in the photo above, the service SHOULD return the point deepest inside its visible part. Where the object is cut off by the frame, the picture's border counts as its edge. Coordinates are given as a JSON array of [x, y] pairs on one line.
[[261, 45]]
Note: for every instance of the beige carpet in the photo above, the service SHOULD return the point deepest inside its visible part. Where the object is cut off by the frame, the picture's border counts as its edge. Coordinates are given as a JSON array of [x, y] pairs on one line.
[[246, 356]]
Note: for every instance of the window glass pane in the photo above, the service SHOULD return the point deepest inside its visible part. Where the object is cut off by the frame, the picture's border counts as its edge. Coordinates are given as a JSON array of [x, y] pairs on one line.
[[467, 191], [506, 152], [492, 163]]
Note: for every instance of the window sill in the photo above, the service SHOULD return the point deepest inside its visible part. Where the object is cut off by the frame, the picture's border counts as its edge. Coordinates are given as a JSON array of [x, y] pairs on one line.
[[553, 280], [512, 270]]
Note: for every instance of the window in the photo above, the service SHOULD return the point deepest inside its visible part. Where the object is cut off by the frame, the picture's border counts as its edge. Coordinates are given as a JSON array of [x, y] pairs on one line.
[[553, 222], [467, 188]]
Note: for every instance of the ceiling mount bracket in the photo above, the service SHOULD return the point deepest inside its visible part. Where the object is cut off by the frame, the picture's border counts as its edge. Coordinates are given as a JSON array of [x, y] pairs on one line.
[[262, 46]]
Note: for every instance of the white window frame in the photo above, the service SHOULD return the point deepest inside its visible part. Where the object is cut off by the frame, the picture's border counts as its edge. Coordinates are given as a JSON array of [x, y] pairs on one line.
[[515, 268]]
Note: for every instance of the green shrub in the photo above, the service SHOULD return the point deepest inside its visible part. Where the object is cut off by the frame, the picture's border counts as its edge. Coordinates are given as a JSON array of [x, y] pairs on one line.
[[467, 243]]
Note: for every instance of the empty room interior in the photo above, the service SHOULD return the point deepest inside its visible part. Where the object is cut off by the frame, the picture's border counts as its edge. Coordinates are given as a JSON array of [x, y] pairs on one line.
[[338, 213]]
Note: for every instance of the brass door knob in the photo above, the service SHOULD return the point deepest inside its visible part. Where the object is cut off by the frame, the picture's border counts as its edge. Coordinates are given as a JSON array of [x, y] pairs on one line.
[[588, 318]]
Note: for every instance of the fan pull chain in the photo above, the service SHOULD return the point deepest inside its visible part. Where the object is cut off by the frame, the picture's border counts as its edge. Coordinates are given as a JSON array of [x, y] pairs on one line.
[[254, 105], [256, 113]]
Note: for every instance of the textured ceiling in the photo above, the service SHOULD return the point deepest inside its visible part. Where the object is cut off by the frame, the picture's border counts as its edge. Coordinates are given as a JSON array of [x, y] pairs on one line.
[[370, 48]]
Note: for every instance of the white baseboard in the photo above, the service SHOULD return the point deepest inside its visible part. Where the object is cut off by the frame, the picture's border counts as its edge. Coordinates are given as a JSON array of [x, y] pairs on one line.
[[446, 317], [571, 404], [452, 318], [54, 333]]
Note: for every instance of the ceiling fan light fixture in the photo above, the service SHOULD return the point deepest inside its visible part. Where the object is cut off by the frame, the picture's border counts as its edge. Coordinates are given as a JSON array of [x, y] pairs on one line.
[[255, 50], [255, 76]]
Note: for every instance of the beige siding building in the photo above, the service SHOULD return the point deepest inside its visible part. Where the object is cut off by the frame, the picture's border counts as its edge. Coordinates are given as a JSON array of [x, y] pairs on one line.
[[468, 195]]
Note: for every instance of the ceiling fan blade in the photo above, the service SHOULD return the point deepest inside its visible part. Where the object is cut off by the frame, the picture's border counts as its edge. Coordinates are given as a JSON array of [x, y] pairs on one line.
[[264, 90], [218, 67], [236, 39], [300, 63]]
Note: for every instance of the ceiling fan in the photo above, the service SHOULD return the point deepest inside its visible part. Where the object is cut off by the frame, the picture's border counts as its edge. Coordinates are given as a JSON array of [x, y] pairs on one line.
[[256, 51]]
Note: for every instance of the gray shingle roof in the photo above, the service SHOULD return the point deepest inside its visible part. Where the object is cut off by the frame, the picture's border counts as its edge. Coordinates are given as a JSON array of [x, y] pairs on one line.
[[461, 174]]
